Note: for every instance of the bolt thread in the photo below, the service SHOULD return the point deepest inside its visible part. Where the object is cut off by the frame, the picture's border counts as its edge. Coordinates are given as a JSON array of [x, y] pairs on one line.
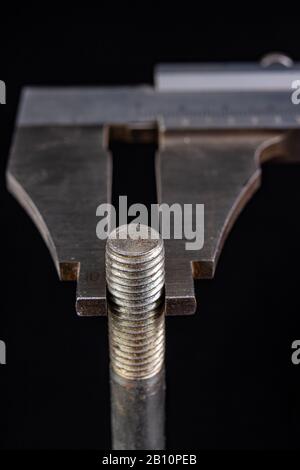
[[135, 282]]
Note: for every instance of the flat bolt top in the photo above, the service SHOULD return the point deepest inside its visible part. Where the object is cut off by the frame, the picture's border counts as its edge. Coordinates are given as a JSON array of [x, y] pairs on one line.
[[134, 240]]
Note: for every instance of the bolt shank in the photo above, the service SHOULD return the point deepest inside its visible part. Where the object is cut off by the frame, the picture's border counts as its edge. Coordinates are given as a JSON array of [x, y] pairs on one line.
[[138, 412]]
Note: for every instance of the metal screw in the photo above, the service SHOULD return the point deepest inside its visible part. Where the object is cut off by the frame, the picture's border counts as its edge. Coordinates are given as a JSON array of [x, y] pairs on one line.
[[135, 282]]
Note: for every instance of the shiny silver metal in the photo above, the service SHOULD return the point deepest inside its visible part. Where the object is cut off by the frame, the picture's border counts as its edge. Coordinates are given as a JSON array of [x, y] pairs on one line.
[[136, 316], [135, 277], [276, 58]]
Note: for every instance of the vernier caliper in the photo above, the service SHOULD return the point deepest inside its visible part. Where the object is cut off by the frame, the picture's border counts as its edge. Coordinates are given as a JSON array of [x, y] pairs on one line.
[[216, 124]]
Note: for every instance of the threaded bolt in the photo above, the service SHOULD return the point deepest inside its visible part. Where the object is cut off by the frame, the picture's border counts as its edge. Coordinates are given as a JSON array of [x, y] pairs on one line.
[[135, 282]]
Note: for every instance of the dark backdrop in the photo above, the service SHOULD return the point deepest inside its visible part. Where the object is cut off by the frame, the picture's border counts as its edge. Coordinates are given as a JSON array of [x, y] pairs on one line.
[[230, 379]]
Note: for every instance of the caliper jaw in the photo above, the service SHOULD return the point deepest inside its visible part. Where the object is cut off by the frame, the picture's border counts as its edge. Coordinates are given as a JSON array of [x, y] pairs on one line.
[[212, 144]]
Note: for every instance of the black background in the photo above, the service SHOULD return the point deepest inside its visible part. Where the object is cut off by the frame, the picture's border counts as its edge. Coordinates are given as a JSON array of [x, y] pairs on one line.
[[230, 379]]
